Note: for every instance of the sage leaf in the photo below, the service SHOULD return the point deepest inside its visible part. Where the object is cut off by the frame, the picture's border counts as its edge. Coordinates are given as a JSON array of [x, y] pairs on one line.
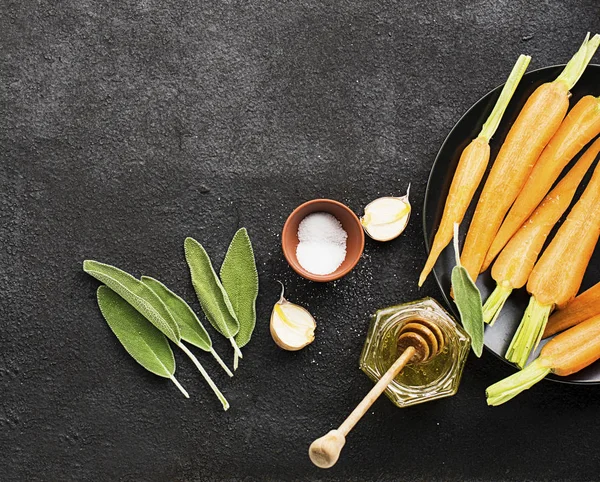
[[190, 327], [148, 304], [468, 301], [210, 292], [137, 294], [144, 342], [240, 280]]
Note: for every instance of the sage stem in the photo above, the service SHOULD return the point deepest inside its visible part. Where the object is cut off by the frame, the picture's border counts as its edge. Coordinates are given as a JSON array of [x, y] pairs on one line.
[[178, 385], [221, 362], [236, 348], [212, 385]]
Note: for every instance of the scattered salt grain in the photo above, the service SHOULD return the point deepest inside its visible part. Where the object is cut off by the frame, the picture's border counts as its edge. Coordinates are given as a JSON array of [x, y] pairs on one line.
[[322, 246]]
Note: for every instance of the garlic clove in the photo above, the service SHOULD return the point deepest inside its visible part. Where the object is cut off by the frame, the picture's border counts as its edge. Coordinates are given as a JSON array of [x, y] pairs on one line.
[[387, 217], [292, 327]]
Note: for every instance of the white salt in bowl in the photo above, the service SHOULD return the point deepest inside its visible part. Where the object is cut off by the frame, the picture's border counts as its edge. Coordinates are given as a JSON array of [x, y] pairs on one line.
[[355, 243]]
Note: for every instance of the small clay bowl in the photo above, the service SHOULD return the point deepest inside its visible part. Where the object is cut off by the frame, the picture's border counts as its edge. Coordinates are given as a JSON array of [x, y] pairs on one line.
[[351, 224]]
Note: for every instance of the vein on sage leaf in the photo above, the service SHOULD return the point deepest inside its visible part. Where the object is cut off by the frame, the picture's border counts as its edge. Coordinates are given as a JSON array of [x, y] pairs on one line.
[[144, 300], [142, 340], [468, 300], [240, 281]]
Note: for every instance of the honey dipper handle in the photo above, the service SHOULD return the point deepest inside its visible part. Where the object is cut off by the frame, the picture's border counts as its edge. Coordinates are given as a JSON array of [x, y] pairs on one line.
[[376, 391], [325, 451]]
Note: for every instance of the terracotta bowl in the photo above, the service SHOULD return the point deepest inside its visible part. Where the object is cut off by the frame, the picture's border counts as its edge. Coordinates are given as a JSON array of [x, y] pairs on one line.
[[351, 224]]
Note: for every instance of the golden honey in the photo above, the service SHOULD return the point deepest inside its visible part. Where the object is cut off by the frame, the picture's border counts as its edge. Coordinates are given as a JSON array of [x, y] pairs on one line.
[[436, 378]]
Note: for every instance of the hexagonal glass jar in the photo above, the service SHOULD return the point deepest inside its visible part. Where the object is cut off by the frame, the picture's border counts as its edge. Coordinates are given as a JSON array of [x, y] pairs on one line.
[[436, 378]]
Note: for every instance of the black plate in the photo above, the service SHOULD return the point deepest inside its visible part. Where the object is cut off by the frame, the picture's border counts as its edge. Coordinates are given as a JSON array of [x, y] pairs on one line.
[[498, 337]]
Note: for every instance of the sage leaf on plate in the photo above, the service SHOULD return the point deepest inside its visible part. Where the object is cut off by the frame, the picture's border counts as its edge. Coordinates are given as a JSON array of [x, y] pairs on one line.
[[468, 301], [148, 304], [142, 340], [190, 327], [212, 296], [137, 294], [240, 280]]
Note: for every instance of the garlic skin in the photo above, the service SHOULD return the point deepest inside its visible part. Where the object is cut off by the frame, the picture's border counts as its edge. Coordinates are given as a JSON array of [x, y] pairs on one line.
[[292, 327], [387, 217]]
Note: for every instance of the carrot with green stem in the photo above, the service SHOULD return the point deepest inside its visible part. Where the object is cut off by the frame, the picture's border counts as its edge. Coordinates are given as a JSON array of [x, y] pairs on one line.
[[580, 126], [535, 125], [516, 261], [471, 168], [565, 354], [557, 276], [582, 307]]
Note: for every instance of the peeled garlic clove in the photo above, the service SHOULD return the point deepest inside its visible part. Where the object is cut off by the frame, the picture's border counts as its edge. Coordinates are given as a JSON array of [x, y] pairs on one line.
[[292, 327], [386, 217]]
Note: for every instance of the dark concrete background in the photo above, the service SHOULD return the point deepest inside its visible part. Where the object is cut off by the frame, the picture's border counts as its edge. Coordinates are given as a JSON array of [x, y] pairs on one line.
[[128, 126]]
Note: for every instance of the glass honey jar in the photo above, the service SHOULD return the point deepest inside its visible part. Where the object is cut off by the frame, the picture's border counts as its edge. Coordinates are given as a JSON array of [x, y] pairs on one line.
[[435, 378]]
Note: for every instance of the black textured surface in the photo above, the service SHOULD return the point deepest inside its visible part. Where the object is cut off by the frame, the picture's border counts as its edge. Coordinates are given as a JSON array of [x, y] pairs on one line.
[[127, 126]]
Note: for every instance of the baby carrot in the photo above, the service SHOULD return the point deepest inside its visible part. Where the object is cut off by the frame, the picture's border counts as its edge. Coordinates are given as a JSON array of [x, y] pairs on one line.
[[582, 307], [515, 263], [537, 122], [471, 168], [580, 126], [565, 354], [557, 276]]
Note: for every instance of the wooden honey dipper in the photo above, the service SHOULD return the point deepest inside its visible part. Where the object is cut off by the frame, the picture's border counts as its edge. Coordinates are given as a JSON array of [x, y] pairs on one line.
[[419, 341]]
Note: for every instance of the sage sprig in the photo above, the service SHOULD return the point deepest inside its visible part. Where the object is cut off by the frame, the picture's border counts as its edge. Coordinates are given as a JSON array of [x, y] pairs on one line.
[[468, 300], [240, 280], [142, 340], [190, 327], [147, 302], [211, 294]]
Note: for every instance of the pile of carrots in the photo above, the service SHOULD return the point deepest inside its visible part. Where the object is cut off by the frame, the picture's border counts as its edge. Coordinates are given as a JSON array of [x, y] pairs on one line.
[[517, 211]]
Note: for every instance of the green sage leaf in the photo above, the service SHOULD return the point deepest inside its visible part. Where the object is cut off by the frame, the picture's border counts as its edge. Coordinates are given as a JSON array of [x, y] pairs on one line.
[[137, 294], [212, 296], [468, 301], [190, 326], [144, 342], [240, 280]]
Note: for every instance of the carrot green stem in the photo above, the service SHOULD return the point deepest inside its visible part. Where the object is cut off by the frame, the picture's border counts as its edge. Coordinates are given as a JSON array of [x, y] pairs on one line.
[[529, 333], [212, 385], [495, 303], [576, 66], [220, 362], [504, 390], [178, 385], [493, 121]]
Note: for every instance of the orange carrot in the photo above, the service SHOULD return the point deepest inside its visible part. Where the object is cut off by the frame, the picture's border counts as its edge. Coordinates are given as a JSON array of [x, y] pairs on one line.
[[471, 168], [565, 354], [515, 263], [537, 122], [582, 307], [557, 276], [580, 126]]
